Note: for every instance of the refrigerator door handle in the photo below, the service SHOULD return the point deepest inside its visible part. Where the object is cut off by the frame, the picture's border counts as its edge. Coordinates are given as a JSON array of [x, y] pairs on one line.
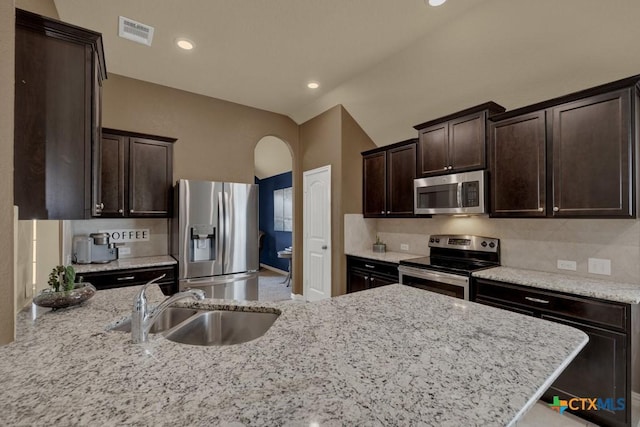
[[227, 229]]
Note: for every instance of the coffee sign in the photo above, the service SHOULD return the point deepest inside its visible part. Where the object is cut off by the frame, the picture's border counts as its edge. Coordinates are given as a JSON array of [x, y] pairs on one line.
[[127, 235]]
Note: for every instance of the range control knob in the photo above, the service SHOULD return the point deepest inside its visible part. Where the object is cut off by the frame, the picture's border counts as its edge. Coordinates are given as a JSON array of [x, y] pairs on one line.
[[483, 244], [431, 240], [437, 240], [492, 245]]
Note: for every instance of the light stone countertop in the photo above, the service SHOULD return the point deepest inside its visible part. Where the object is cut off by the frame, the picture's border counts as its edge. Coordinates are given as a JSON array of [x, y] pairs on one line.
[[394, 257], [392, 355], [611, 291], [126, 263]]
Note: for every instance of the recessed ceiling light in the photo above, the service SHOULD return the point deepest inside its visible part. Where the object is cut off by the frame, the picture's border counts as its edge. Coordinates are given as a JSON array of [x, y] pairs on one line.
[[436, 2], [313, 85], [185, 44]]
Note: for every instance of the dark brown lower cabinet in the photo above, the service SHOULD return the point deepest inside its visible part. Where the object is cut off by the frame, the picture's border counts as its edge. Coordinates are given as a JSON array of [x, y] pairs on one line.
[[134, 277], [363, 273], [603, 368]]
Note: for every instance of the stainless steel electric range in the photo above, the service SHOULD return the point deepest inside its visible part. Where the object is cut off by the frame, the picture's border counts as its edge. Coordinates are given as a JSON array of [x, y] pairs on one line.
[[452, 260]]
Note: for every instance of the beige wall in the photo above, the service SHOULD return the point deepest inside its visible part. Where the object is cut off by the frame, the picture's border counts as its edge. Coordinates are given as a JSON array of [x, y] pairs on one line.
[[42, 7], [7, 291], [216, 138], [334, 138], [320, 141]]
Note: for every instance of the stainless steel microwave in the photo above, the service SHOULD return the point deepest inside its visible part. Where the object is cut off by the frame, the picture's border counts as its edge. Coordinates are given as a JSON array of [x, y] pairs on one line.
[[459, 193]]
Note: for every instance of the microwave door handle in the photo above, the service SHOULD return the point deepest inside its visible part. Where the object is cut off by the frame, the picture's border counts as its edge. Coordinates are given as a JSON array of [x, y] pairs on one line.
[[459, 195]]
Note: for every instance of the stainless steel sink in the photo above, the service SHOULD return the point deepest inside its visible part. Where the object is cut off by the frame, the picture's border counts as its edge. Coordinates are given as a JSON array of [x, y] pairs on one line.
[[221, 327], [169, 318]]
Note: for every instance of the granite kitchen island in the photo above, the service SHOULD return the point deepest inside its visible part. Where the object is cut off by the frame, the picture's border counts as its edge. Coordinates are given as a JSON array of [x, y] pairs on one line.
[[392, 355]]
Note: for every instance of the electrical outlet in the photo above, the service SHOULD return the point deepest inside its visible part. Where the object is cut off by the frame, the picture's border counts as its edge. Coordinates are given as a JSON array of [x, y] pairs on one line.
[[600, 266], [124, 250], [404, 247], [564, 264]]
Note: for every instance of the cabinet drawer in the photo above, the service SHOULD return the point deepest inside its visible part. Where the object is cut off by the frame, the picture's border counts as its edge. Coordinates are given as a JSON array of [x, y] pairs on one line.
[[131, 277], [593, 311], [383, 268]]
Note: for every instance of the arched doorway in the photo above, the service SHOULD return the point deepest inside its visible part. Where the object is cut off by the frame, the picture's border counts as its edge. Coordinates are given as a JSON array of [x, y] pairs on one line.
[[273, 164]]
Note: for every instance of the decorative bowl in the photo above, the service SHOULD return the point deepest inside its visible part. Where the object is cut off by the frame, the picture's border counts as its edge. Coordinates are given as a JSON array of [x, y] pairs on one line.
[[48, 298]]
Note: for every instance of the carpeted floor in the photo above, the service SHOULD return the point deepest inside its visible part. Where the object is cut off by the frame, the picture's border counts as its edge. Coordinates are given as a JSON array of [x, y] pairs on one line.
[[271, 288]]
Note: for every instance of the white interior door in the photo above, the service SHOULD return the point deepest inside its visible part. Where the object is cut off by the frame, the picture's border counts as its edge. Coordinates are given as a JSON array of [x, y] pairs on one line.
[[317, 234]]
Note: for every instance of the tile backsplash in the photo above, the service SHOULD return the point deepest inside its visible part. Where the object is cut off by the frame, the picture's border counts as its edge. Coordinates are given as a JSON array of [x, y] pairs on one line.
[[158, 243], [535, 244]]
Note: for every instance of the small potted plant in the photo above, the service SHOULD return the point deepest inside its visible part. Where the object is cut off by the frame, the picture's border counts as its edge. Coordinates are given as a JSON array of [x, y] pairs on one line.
[[63, 290], [379, 245]]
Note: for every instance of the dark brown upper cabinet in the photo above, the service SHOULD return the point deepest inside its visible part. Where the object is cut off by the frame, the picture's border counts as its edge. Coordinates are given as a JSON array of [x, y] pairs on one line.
[[133, 175], [571, 156], [454, 143], [388, 174], [59, 70], [592, 156], [517, 150]]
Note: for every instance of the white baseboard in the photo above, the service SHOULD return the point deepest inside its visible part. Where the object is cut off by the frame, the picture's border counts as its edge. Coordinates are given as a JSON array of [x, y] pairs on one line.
[[297, 297], [276, 270]]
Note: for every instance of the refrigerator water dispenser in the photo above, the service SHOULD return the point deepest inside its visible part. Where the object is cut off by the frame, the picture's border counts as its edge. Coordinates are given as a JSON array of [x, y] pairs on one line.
[[203, 243]]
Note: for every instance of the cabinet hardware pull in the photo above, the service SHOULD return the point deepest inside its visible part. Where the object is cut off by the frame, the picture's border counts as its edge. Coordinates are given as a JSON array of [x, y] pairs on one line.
[[120, 210], [99, 206], [446, 167], [371, 279], [556, 209], [131, 211], [450, 167], [370, 266], [540, 209], [541, 301], [126, 278], [388, 212], [382, 212]]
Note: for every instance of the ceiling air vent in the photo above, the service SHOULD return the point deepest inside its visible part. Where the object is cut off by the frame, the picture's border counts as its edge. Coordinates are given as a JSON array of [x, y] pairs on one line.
[[135, 31]]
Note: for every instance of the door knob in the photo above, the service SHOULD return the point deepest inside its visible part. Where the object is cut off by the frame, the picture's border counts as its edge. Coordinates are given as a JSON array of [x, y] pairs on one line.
[[324, 247]]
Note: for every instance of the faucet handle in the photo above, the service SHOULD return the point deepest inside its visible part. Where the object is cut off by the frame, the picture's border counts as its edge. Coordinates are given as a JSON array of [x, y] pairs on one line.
[[140, 301]]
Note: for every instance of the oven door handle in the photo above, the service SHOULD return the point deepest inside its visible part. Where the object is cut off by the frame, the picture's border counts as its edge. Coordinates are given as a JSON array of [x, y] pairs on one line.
[[436, 276]]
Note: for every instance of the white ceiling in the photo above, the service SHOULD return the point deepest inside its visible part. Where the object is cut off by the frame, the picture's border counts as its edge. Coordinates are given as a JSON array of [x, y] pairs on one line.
[[391, 63]]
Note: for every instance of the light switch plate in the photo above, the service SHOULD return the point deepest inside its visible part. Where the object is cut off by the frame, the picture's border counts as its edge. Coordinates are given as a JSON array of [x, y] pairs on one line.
[[564, 264], [404, 247], [600, 266]]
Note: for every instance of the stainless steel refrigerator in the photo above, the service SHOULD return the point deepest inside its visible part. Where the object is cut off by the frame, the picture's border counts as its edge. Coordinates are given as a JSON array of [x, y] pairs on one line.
[[214, 237]]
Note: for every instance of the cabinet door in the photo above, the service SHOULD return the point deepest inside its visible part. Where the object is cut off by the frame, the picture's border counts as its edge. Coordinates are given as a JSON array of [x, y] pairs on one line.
[[374, 182], [53, 126], [599, 370], [518, 166], [377, 280], [358, 280], [111, 173], [150, 177], [433, 150], [401, 171], [592, 149], [467, 143]]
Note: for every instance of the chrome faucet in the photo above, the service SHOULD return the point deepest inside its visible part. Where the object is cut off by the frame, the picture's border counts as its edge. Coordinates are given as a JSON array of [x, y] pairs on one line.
[[142, 318]]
